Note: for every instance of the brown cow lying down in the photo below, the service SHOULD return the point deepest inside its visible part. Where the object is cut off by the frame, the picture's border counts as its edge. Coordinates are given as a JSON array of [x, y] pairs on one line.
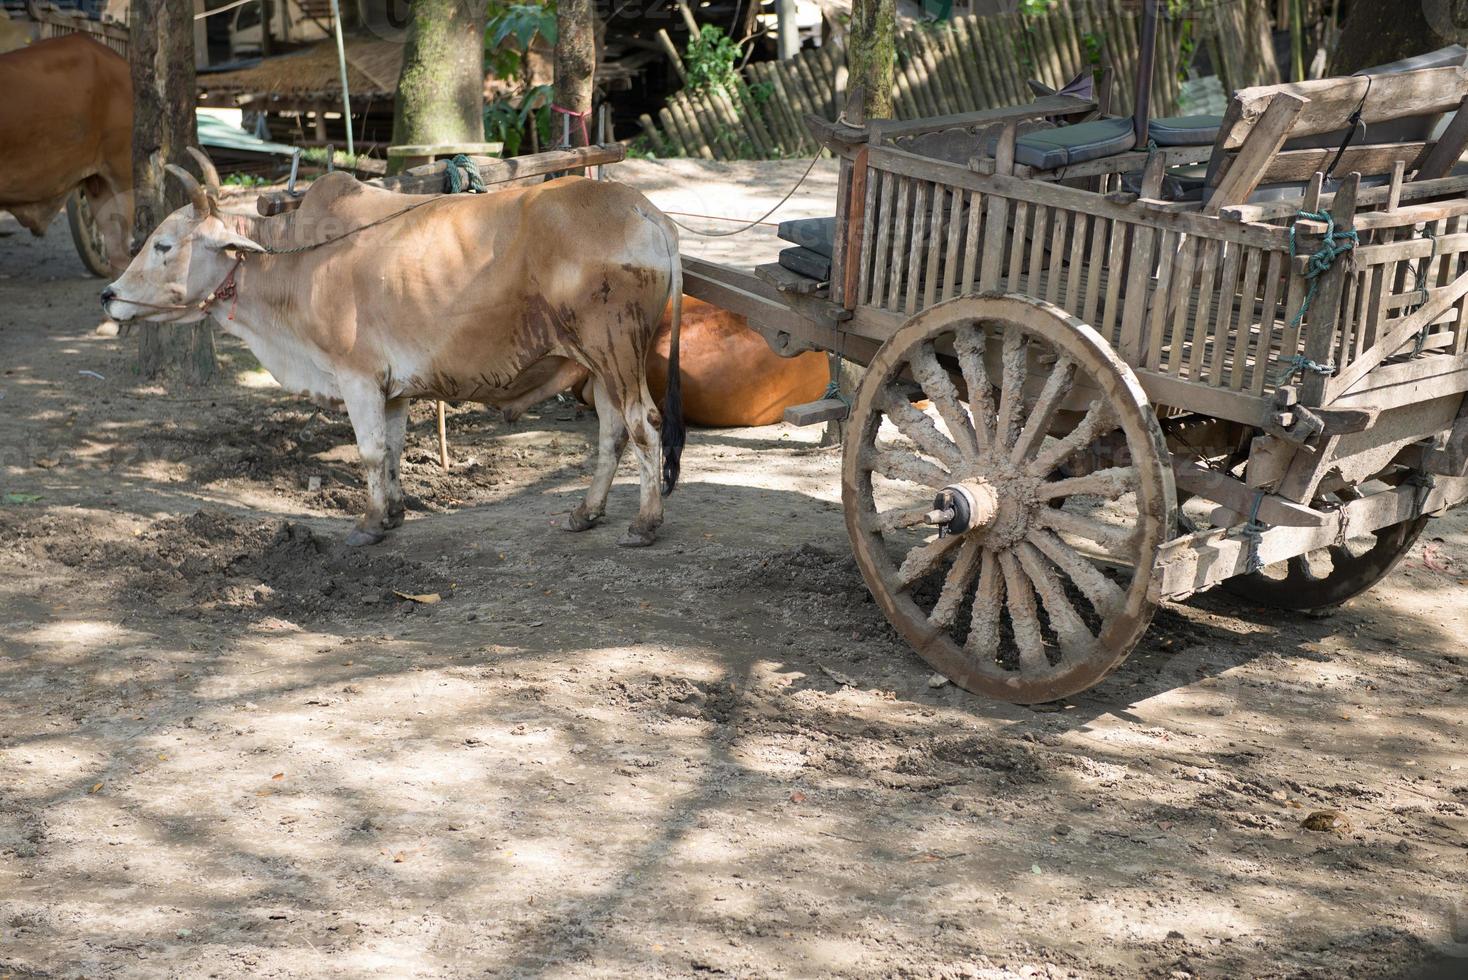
[[730, 377], [367, 298]]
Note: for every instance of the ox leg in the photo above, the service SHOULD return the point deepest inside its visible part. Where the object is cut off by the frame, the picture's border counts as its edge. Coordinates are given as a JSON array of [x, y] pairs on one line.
[[367, 408], [642, 428], [396, 419], [611, 444]]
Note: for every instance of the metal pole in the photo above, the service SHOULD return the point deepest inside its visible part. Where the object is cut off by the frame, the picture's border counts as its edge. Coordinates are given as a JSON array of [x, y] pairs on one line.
[[1143, 106], [787, 34], [341, 58]]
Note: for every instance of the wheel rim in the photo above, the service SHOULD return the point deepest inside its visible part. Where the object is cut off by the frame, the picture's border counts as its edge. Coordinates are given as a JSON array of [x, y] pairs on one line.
[[86, 234], [1057, 455]]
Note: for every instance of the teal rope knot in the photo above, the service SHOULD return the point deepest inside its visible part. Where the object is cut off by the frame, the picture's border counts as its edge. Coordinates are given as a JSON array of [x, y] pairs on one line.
[[1302, 363], [1333, 244], [462, 175]]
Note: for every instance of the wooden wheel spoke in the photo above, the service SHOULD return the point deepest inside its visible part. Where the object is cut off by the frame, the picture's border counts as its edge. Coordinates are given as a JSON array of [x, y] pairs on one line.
[[1024, 616], [1104, 595], [899, 518], [938, 385], [917, 427], [900, 464], [1097, 421], [968, 343], [1115, 539], [922, 559], [1037, 424], [983, 636], [956, 583], [1011, 385], [1074, 636], [1109, 484]]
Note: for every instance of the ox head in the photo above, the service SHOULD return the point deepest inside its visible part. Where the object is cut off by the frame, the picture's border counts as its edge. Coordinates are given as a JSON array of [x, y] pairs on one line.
[[185, 259]]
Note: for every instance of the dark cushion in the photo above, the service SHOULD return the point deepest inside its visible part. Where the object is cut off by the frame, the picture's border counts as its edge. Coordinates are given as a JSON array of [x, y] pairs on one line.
[[805, 262], [1184, 130], [1050, 149], [816, 234]]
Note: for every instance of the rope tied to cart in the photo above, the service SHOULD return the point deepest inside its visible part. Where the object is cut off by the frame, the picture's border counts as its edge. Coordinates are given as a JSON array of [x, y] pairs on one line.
[[1419, 285], [462, 176], [1333, 244], [1253, 530]]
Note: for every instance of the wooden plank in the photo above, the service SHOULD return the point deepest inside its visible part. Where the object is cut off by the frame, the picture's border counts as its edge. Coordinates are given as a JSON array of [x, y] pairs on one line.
[[1131, 344], [1014, 269], [1325, 309], [973, 243], [1448, 149], [1202, 316], [1197, 479], [889, 130], [858, 230], [1116, 264], [1156, 313], [1290, 165], [1404, 330], [1077, 266], [1059, 223], [1236, 406], [1269, 320], [900, 242], [1418, 190], [821, 410], [1101, 229], [1331, 101], [1245, 170], [933, 247], [1073, 198], [1223, 315], [429, 178], [1178, 304], [998, 218], [1241, 332], [886, 226], [951, 251]]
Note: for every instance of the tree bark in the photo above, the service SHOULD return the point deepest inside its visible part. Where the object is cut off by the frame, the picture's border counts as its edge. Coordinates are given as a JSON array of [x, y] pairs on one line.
[[161, 52], [440, 95], [1375, 33], [575, 64], [871, 54]]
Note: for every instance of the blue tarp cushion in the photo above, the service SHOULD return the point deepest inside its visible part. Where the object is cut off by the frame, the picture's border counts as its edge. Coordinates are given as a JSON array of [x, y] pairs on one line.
[[816, 234], [1184, 130], [1049, 149]]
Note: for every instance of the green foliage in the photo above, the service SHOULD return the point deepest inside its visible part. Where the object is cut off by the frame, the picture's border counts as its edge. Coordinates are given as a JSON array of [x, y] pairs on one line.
[[317, 154], [244, 180], [1034, 8], [509, 33], [710, 60], [505, 120]]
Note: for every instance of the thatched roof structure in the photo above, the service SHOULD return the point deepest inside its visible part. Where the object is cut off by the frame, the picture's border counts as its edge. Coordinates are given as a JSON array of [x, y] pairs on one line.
[[310, 75]]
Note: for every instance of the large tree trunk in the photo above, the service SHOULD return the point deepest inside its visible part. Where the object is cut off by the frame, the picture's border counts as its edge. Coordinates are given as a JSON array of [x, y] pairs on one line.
[[441, 89], [1375, 33], [161, 50], [575, 65], [871, 54]]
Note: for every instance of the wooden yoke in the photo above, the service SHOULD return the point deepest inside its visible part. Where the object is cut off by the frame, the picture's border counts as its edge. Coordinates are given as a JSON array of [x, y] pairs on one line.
[[428, 179]]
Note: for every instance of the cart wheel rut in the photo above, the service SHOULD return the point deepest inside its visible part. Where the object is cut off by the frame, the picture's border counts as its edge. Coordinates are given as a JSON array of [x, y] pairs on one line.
[[1006, 490]]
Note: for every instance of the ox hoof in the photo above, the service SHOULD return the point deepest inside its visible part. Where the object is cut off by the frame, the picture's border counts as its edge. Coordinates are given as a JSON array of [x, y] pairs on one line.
[[581, 521], [637, 538], [360, 538]]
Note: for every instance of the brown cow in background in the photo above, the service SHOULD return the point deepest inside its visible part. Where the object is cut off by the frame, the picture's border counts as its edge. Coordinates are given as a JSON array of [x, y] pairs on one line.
[[66, 122]]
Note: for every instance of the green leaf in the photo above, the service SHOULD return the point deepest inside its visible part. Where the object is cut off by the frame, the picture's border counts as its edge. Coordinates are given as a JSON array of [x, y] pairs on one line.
[[20, 498]]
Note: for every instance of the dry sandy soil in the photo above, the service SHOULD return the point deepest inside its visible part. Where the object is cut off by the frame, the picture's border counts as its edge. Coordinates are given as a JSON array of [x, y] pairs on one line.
[[227, 748]]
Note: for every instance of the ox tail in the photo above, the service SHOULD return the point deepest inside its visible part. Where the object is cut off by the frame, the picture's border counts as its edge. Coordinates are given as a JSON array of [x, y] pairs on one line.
[[675, 432]]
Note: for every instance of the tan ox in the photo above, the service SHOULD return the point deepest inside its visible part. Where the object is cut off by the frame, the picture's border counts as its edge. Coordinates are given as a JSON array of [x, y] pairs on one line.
[[369, 298], [66, 121]]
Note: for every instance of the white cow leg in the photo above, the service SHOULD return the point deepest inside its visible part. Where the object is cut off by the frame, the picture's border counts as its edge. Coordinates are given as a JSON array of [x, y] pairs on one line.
[[396, 419], [611, 444], [647, 448], [367, 408]]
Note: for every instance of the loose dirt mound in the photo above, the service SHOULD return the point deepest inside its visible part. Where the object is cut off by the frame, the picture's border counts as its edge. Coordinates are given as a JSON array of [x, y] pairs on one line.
[[218, 562]]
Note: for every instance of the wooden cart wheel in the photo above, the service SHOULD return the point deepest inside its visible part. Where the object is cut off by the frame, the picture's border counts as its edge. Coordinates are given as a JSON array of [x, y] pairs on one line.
[[978, 523], [86, 235], [1331, 575]]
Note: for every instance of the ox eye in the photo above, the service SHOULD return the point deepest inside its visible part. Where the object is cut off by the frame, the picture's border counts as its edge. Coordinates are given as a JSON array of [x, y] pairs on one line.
[[161, 247]]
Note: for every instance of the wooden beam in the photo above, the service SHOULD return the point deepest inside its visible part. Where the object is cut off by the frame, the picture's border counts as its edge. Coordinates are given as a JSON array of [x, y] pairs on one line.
[[1381, 158], [428, 179], [1245, 171], [1221, 488], [1448, 149]]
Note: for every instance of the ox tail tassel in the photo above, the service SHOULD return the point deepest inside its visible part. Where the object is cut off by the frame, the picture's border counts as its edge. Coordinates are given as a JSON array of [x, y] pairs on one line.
[[674, 432]]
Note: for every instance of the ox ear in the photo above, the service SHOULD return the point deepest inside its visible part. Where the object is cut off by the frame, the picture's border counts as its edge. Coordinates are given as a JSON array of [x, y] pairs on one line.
[[223, 239]]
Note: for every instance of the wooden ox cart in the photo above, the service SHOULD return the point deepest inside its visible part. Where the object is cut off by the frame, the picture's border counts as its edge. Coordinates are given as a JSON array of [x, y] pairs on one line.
[[1097, 386]]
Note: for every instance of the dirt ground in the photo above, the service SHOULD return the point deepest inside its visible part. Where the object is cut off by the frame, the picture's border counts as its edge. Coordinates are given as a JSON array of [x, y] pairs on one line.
[[228, 748]]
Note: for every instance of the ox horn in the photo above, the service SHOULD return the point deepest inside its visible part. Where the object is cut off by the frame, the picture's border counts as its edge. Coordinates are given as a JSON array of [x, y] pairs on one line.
[[206, 167], [197, 195]]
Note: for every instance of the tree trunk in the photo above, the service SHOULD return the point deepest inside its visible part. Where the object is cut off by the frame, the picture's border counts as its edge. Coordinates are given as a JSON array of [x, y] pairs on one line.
[[161, 50], [1375, 33], [441, 89], [575, 65], [871, 54]]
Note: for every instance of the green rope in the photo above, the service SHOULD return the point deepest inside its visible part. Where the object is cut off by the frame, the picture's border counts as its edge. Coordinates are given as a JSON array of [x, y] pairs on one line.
[[1333, 244], [462, 175]]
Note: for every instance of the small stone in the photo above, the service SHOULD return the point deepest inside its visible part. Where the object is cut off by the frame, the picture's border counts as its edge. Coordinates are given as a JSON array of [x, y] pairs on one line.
[[1061, 830], [313, 484], [107, 328], [937, 681]]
